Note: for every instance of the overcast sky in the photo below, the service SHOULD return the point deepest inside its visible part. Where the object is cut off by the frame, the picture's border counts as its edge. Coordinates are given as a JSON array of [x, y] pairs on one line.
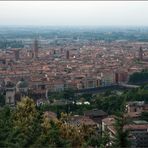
[[74, 13]]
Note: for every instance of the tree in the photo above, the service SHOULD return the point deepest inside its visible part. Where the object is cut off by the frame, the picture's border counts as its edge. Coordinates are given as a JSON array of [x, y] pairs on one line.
[[139, 77], [5, 125], [50, 135], [121, 137], [110, 104], [25, 113], [105, 139], [2, 100], [70, 132], [90, 135], [26, 120], [144, 116], [68, 94]]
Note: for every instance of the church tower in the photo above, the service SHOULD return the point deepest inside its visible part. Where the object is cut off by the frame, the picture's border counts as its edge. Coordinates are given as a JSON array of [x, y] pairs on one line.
[[35, 49], [140, 54]]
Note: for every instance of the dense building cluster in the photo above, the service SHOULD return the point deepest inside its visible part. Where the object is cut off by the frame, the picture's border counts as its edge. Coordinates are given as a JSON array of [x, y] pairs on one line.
[[76, 66]]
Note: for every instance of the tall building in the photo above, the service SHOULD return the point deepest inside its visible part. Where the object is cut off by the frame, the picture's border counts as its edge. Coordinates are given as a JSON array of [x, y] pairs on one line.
[[35, 49], [121, 76], [54, 52], [140, 54], [116, 77], [67, 54], [17, 54], [61, 50], [10, 93]]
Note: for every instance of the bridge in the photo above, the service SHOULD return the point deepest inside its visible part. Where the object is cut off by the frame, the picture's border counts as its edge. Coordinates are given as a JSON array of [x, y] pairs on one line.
[[120, 86]]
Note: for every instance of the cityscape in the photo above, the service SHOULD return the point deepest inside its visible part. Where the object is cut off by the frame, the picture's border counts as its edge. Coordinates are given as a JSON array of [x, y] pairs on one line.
[[73, 85]]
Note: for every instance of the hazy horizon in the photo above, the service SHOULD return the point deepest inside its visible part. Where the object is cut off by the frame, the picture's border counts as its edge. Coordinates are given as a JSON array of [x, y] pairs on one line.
[[74, 13]]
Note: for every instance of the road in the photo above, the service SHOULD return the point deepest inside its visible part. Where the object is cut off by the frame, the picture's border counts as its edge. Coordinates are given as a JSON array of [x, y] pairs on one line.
[[120, 86]]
